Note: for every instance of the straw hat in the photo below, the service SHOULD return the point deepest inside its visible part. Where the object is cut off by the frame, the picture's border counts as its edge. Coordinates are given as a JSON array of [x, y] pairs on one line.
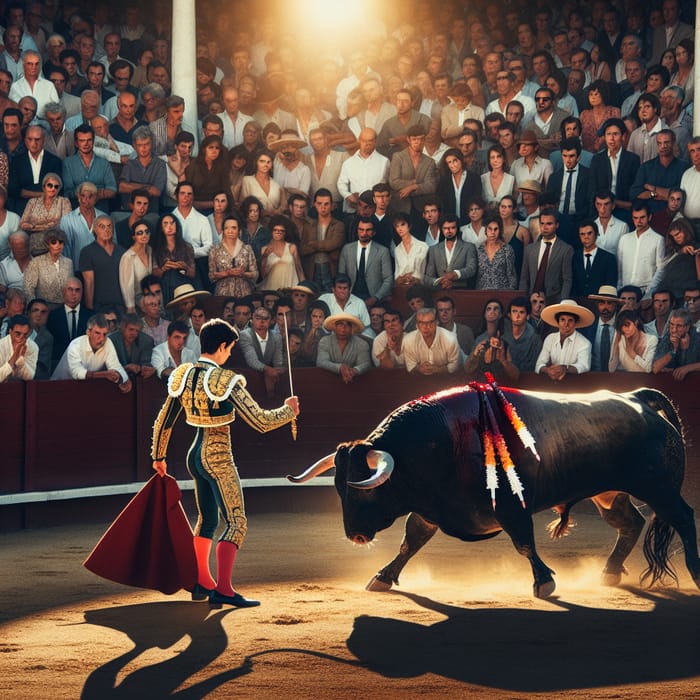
[[606, 293], [355, 323], [306, 287], [568, 306], [530, 186], [184, 292], [287, 142]]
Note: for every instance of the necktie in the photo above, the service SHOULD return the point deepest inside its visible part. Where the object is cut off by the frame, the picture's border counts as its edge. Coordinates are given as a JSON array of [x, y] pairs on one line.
[[360, 288], [541, 271], [604, 348], [567, 193], [361, 267], [588, 264], [73, 324]]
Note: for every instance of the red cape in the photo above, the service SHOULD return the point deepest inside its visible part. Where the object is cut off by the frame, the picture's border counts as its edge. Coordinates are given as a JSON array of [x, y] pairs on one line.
[[149, 545]]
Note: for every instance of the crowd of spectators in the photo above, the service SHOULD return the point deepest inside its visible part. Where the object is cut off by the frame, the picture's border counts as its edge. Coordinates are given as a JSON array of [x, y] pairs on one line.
[[547, 151]]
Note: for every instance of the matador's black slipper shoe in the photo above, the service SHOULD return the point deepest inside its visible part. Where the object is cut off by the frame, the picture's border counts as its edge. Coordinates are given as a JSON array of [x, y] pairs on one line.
[[217, 599], [200, 594]]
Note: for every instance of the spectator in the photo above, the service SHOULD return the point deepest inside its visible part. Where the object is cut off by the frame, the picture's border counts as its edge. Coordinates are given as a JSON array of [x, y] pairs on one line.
[[38, 314], [451, 263], [680, 266], [92, 356], [410, 254], [99, 265], [232, 263], [568, 351], [172, 353], [133, 347], [343, 352], [79, 224], [387, 347], [523, 342], [12, 268], [263, 351], [662, 301], [154, 325], [600, 333], [592, 266], [69, 321], [445, 308], [144, 172], [18, 354], [633, 349], [679, 349], [495, 259], [431, 349], [640, 253], [135, 264], [173, 257], [47, 274], [43, 213], [318, 313]]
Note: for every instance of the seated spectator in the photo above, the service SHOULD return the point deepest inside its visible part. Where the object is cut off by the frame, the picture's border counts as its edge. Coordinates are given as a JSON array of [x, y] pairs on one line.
[[69, 321], [523, 341], [495, 259], [680, 266], [691, 301], [662, 301], [445, 307], [318, 312], [232, 265], [679, 349], [631, 297], [92, 356], [387, 347], [633, 349], [263, 351], [173, 256], [172, 353], [144, 172], [568, 351], [18, 354], [344, 352], [302, 295], [12, 268], [134, 348], [431, 349], [38, 314], [208, 173], [47, 274], [78, 225], [154, 325], [135, 264], [340, 300], [15, 303], [417, 297], [410, 254]]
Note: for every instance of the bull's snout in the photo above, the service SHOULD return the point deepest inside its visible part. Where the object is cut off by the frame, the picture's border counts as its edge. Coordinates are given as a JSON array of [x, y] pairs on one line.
[[359, 539]]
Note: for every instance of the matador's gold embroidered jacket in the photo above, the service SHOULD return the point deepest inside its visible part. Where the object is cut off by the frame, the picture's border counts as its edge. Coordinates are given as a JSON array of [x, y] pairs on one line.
[[210, 395]]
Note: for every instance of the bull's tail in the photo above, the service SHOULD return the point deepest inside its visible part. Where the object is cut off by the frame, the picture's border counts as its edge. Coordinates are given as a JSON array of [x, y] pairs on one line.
[[660, 403], [656, 545]]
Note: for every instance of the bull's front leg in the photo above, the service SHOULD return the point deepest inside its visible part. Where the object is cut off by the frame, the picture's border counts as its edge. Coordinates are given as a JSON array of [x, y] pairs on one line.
[[416, 533], [517, 523]]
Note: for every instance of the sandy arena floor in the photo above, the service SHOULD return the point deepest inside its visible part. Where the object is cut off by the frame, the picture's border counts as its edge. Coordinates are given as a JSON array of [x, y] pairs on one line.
[[463, 624]]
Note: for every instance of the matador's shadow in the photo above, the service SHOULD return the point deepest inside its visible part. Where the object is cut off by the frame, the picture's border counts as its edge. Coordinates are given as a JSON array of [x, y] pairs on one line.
[[561, 649], [160, 625]]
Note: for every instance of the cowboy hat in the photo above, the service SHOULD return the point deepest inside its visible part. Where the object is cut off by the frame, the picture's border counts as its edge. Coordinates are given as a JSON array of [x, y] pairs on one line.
[[584, 317], [530, 186], [606, 293], [307, 287], [287, 142], [355, 323], [184, 292]]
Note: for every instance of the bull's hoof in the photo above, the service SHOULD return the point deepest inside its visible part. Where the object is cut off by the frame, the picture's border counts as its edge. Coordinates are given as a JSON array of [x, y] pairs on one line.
[[378, 585], [544, 590], [608, 579]]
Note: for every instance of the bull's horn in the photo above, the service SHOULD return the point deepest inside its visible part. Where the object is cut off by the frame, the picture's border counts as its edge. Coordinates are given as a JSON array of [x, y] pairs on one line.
[[323, 465], [383, 462]]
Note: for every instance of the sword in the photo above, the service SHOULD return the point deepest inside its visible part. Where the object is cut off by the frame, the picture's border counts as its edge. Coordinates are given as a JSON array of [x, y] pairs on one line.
[[293, 424]]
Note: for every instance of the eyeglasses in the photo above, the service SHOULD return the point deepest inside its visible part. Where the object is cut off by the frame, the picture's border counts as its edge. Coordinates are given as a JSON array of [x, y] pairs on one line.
[[52, 185], [111, 321], [55, 241]]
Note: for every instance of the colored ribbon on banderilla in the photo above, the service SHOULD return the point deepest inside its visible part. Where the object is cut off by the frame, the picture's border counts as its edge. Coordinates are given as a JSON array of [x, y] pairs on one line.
[[495, 446], [293, 424]]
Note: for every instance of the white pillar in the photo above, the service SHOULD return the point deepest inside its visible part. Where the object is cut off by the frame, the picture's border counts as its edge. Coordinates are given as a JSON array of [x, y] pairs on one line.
[[696, 111], [184, 60]]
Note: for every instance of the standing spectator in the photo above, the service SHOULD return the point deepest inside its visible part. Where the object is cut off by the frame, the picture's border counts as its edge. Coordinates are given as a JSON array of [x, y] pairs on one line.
[[232, 263], [601, 331], [143, 172], [99, 265], [68, 321], [413, 176], [452, 263], [43, 213], [135, 264], [445, 308], [642, 140], [640, 253], [410, 254], [173, 256], [458, 185], [47, 274], [495, 259], [592, 266]]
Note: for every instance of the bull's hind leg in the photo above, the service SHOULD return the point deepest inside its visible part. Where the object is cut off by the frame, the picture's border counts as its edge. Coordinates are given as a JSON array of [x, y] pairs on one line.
[[517, 522], [417, 532], [617, 510]]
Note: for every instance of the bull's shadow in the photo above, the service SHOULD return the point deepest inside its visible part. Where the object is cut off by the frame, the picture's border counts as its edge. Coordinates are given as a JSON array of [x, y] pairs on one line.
[[160, 625], [565, 648]]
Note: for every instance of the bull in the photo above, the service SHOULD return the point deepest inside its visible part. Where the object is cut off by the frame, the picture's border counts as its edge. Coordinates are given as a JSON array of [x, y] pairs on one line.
[[425, 459]]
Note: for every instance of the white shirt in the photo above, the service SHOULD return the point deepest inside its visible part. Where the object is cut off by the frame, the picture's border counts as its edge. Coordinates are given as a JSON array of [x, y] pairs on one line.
[[358, 174], [379, 345], [444, 350], [43, 92], [233, 129], [196, 231], [25, 366], [354, 306], [690, 183], [639, 257], [610, 238], [161, 358], [79, 359], [412, 262], [576, 351]]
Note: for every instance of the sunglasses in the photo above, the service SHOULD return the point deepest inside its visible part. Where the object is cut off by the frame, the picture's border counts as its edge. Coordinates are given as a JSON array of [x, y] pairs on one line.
[[52, 186], [142, 232], [55, 241]]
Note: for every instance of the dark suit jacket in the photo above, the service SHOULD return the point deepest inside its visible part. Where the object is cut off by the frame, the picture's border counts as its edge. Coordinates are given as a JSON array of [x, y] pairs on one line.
[[598, 364], [463, 259], [21, 177], [582, 198], [57, 325], [446, 193], [601, 174], [557, 278], [378, 274], [603, 271], [331, 244]]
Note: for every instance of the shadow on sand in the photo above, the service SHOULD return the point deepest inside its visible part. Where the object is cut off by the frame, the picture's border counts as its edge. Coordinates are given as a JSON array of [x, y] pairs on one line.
[[534, 650], [160, 625]]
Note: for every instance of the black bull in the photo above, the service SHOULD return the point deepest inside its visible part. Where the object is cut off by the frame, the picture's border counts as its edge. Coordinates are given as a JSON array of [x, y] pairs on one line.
[[426, 460]]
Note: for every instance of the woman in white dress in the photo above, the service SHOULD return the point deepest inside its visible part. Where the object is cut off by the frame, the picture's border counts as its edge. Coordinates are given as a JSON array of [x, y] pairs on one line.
[[410, 255], [135, 264], [633, 349], [262, 186], [280, 263], [496, 183]]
